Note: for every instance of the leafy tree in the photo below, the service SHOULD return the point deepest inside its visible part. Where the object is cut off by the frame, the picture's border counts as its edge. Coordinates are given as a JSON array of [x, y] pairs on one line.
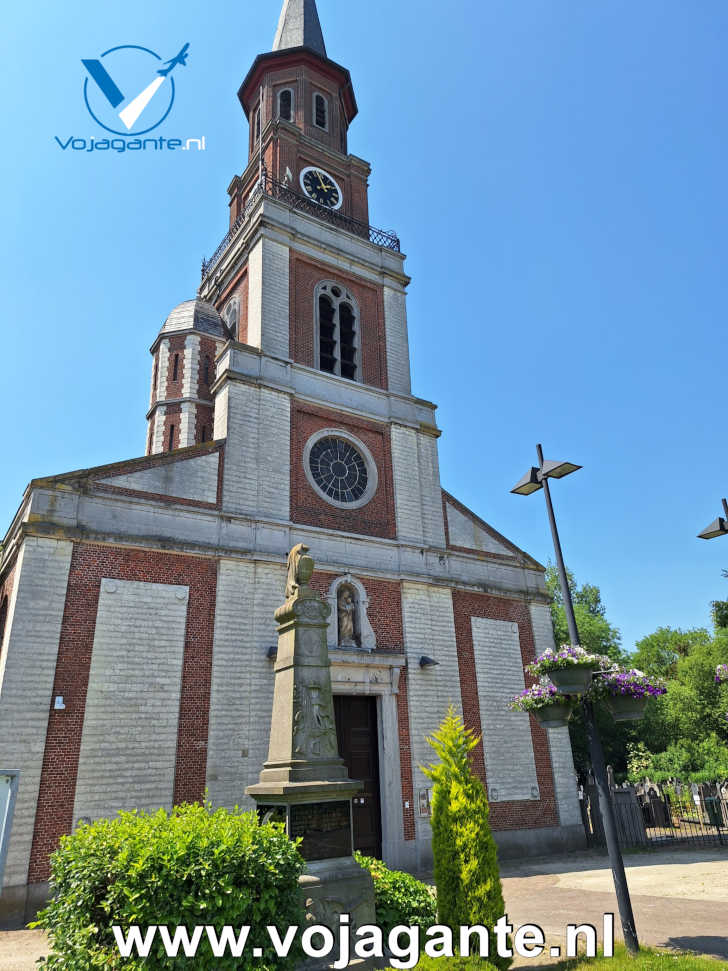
[[596, 634], [685, 733], [466, 862], [687, 760], [659, 653], [720, 612]]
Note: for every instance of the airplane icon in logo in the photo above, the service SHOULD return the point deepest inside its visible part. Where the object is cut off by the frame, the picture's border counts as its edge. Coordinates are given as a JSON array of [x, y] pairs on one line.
[[129, 115], [181, 58]]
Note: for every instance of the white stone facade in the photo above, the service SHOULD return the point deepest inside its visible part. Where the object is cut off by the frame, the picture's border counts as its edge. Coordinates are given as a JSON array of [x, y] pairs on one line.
[[31, 646], [510, 766], [129, 740]]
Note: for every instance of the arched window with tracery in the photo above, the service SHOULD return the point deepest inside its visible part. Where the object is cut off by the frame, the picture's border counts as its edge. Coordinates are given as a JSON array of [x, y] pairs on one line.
[[337, 326]]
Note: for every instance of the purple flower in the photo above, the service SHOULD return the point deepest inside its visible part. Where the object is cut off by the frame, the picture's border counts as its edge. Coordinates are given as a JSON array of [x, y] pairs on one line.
[[721, 673], [633, 684]]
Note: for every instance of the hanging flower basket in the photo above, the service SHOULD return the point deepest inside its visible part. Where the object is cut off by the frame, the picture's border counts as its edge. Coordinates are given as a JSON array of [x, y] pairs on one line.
[[550, 708], [626, 693], [570, 668], [554, 716], [625, 708]]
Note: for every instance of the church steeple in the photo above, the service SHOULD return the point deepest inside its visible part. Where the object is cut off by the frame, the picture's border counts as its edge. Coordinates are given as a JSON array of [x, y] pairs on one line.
[[299, 26]]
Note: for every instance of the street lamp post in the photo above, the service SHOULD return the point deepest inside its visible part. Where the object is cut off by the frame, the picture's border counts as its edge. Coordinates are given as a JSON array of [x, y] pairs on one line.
[[538, 478]]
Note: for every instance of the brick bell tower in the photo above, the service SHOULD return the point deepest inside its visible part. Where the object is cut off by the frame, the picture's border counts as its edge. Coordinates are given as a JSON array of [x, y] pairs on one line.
[[308, 393]]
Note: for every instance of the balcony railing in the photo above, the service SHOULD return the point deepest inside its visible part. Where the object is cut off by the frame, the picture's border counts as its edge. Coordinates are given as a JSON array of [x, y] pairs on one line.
[[271, 189]]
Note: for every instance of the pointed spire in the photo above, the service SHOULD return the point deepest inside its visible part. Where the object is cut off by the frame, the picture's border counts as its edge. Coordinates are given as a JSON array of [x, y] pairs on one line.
[[299, 26]]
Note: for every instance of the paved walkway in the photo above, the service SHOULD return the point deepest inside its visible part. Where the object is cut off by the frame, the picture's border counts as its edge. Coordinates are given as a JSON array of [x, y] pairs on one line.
[[680, 900]]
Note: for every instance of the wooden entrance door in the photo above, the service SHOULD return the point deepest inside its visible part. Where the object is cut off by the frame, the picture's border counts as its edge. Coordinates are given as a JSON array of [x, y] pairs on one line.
[[356, 730]]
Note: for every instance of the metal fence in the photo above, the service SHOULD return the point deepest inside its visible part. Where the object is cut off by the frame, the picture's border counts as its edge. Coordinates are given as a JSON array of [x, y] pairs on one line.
[[652, 816], [280, 191]]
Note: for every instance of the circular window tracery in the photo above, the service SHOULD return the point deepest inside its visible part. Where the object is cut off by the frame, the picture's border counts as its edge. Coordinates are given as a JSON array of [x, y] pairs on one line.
[[340, 469]]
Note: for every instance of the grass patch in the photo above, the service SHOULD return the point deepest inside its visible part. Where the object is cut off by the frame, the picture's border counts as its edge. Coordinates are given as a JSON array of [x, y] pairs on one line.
[[647, 960]]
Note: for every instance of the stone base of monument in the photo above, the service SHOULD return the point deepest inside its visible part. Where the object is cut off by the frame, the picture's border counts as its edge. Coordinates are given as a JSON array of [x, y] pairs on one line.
[[320, 815]]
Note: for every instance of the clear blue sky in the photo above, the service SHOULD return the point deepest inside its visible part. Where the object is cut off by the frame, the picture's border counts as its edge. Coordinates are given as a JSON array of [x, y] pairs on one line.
[[557, 173]]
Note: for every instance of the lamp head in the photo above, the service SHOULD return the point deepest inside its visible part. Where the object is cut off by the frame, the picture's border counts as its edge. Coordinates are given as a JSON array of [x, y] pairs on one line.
[[718, 527], [557, 470], [528, 484]]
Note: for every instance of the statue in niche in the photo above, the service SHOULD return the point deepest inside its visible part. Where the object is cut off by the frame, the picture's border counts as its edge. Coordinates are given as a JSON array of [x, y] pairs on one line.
[[347, 618]]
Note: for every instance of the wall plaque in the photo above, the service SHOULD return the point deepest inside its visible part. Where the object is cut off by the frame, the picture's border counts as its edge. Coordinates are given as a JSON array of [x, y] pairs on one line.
[[325, 828]]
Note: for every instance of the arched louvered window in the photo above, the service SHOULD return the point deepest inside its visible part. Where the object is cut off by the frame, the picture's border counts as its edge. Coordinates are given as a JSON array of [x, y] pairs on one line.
[[320, 111], [337, 327], [285, 104], [232, 316]]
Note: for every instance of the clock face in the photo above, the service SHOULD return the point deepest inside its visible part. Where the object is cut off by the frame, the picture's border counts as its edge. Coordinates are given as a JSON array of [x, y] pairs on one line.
[[338, 470], [321, 187]]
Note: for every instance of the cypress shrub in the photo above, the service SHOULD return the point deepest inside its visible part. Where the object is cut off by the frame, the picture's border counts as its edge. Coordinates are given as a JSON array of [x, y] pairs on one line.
[[188, 868], [466, 862]]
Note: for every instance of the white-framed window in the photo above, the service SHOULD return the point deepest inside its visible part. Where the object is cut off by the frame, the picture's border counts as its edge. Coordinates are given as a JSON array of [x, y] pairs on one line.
[[286, 105], [321, 111], [337, 337]]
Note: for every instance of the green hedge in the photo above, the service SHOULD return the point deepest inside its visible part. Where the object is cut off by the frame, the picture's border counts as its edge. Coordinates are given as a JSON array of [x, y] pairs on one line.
[[398, 897], [191, 867]]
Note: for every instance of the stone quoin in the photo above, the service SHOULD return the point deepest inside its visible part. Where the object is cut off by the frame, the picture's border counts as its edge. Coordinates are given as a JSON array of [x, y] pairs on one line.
[[143, 593]]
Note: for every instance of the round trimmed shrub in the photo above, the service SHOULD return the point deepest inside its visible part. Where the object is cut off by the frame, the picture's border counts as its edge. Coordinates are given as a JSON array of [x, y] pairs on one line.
[[398, 897], [190, 867]]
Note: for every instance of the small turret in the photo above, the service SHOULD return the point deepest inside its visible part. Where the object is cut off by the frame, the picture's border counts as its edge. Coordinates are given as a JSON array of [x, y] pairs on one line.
[[181, 406]]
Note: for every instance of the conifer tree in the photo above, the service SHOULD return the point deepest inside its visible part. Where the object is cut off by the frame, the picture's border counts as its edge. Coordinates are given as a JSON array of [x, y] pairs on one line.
[[467, 877]]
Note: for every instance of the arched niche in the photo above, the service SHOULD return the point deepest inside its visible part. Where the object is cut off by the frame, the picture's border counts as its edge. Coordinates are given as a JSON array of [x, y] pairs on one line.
[[363, 638]]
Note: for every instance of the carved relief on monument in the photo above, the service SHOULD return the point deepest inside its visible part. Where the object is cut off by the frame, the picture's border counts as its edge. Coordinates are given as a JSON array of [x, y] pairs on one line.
[[314, 729]]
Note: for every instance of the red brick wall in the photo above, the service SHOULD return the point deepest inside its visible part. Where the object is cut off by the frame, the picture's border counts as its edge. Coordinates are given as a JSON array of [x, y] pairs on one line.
[[523, 814], [176, 347], [305, 274], [374, 519], [173, 416], [208, 350], [405, 757], [89, 564]]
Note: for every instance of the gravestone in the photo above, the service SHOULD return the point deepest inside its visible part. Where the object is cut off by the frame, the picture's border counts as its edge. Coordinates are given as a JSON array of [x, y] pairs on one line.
[[304, 782]]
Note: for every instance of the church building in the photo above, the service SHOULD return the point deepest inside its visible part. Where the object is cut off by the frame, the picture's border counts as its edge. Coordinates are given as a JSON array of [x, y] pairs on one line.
[[137, 636]]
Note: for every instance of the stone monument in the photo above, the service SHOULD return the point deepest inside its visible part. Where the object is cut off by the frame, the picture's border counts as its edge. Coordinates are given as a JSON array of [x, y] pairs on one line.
[[304, 783]]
